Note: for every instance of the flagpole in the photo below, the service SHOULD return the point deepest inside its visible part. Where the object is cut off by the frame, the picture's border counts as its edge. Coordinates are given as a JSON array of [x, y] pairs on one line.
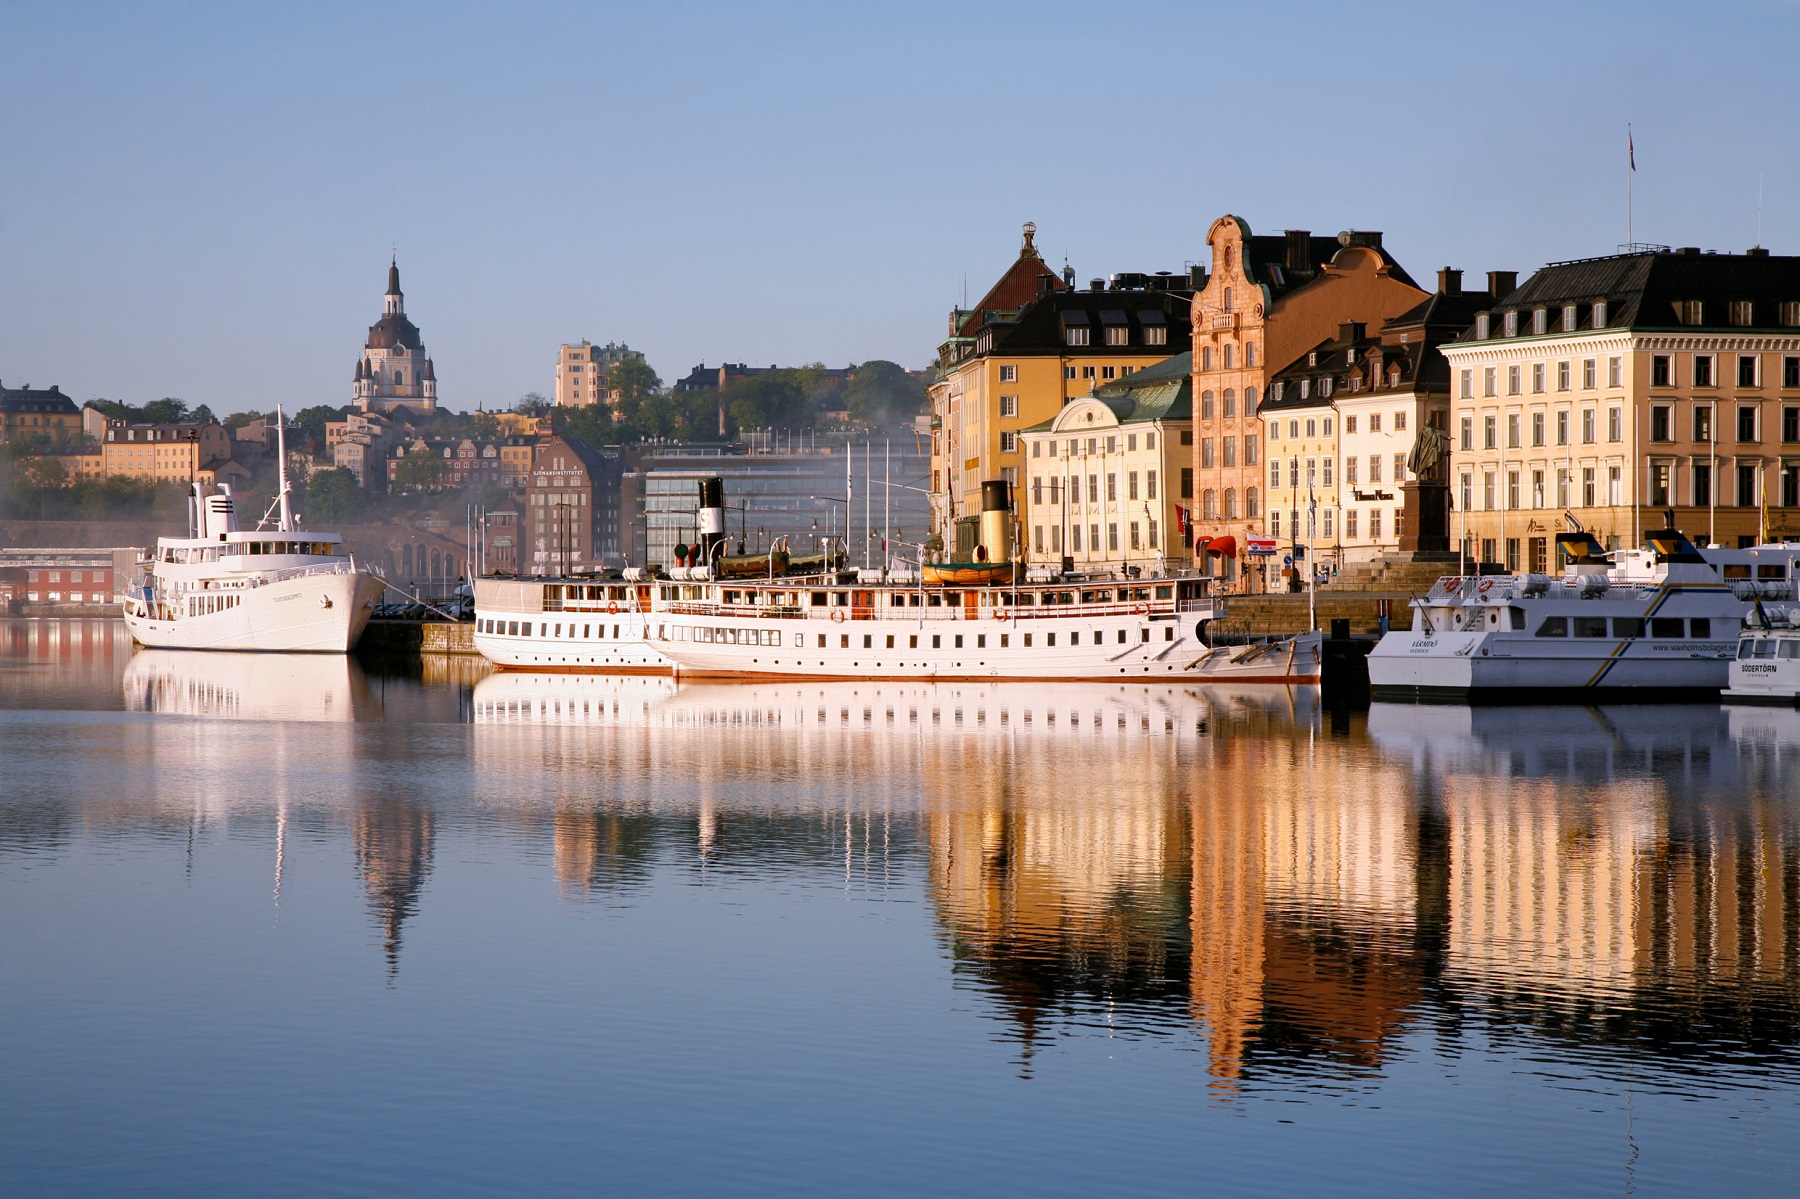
[[1630, 170]]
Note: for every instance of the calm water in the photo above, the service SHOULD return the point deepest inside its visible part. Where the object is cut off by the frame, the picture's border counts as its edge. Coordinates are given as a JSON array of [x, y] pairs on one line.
[[284, 927]]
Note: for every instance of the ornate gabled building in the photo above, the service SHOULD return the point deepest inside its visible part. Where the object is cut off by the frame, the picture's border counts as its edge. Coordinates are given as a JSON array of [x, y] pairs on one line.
[[394, 371]]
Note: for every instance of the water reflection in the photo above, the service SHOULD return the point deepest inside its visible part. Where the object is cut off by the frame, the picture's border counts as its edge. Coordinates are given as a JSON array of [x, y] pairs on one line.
[[1301, 905]]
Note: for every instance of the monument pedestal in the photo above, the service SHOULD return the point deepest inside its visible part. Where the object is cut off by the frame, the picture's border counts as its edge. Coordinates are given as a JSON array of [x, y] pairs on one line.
[[1427, 508]]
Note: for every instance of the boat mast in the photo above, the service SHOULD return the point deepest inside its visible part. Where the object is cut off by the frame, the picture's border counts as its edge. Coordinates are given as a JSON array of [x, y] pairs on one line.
[[287, 515]]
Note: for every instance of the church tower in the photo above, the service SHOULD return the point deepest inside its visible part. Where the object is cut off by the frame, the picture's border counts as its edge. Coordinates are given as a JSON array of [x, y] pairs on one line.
[[393, 371]]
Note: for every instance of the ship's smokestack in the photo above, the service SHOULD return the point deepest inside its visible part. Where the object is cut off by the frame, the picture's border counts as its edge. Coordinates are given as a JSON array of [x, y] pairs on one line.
[[996, 520], [711, 522]]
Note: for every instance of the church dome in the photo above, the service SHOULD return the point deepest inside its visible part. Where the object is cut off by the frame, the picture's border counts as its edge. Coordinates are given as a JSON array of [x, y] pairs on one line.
[[393, 330]]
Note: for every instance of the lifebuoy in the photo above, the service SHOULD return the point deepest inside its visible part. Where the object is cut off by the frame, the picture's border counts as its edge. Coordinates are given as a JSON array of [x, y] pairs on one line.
[[613, 607], [1000, 614], [1484, 586], [837, 616], [1141, 609]]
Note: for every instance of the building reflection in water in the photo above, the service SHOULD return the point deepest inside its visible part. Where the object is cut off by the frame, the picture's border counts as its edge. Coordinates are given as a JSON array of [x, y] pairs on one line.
[[392, 842]]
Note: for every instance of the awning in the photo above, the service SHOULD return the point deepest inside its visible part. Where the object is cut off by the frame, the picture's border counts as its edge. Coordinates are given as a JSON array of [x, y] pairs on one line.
[[1112, 316], [1074, 316], [1223, 546], [1200, 544], [1150, 316]]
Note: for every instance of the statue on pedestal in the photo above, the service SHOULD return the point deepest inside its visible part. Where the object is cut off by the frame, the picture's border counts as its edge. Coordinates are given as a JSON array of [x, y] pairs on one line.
[[1427, 497]]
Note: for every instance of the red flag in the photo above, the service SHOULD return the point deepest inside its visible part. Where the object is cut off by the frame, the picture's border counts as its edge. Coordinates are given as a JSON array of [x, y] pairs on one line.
[[1181, 520]]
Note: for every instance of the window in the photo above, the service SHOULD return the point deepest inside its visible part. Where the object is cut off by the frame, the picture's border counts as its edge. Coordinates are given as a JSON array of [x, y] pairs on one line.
[[1131, 485], [1537, 378], [1274, 523], [1108, 372], [1087, 372], [1701, 477], [1790, 424], [1790, 372], [1228, 451], [1206, 405], [1747, 369], [1554, 626], [1703, 370], [1661, 482], [1010, 374], [1662, 373], [1150, 484], [1741, 312], [1156, 335], [1374, 469], [1229, 405], [1229, 353], [1562, 376], [1350, 524], [1465, 387], [1009, 405], [1075, 335], [1249, 449], [1662, 422], [1537, 489], [1326, 480], [1118, 335], [1375, 524], [1487, 432], [1746, 423], [1562, 428], [1009, 442], [1540, 321], [1206, 453], [1328, 517], [1587, 426], [1374, 422], [1468, 492], [1509, 323], [1250, 510], [1512, 380], [1399, 422], [1187, 483], [1350, 472], [1311, 429], [1483, 325], [1230, 507], [1206, 358], [1349, 424], [1746, 485], [1487, 381], [1512, 430], [1468, 433], [1068, 372]]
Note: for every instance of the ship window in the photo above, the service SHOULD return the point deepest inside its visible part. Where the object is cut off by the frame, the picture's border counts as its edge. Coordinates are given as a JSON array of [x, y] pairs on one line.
[[1028, 641], [1790, 648], [1074, 638], [821, 641], [890, 641], [1554, 626], [1665, 626], [818, 599], [1121, 636], [937, 642], [959, 641], [799, 640], [1050, 640], [512, 628], [1765, 647], [1700, 626], [912, 642], [934, 601], [1777, 571], [1005, 640], [1168, 632], [1518, 617], [1628, 626], [981, 641], [868, 641], [1590, 626]]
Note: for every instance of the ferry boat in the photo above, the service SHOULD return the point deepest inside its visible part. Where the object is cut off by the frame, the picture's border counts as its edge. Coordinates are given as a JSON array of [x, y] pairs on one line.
[[1635, 625], [841, 625], [1767, 667], [228, 588], [566, 624]]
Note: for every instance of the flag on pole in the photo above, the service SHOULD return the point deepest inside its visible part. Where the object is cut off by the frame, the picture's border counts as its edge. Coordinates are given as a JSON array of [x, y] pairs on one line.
[[1181, 519], [1630, 149]]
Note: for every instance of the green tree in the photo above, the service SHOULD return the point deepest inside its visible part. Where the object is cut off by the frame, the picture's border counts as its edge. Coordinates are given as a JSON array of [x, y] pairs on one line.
[[334, 497], [166, 411], [421, 471], [243, 420], [203, 415], [775, 398], [591, 423], [635, 383], [532, 404], [881, 393], [484, 426], [310, 423]]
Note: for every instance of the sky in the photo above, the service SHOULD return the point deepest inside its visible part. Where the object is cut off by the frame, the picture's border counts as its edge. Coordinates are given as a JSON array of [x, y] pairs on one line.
[[200, 200]]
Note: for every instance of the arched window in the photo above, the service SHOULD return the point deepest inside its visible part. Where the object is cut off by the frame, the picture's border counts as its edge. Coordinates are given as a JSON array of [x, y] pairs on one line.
[[1250, 503], [1249, 401], [1208, 502], [1249, 353], [437, 564], [1230, 503], [399, 376], [1230, 355], [1230, 402], [1206, 405], [1227, 299], [1205, 358], [406, 559]]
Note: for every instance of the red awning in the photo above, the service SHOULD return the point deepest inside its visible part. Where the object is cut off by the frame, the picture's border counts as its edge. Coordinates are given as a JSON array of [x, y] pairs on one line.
[[1200, 544], [1224, 546]]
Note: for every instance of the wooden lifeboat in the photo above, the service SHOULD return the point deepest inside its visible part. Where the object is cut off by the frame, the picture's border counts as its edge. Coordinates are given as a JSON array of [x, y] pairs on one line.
[[968, 574]]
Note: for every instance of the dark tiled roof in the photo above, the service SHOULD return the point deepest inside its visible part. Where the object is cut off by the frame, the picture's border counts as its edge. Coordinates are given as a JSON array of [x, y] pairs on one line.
[[1643, 291], [393, 330], [25, 399], [1019, 286], [1266, 258], [1039, 328]]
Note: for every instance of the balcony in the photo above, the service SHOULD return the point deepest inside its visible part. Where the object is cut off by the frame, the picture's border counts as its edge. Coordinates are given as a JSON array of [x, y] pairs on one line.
[[1224, 321]]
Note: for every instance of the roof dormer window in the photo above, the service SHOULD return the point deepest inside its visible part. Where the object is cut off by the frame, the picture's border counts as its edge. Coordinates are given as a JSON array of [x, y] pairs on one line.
[[1312, 358], [1540, 321], [1482, 325], [1510, 324], [1742, 312], [1568, 324], [1325, 387], [1599, 314], [1305, 389]]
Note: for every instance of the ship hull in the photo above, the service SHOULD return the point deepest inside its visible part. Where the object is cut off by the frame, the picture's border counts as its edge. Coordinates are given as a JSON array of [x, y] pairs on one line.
[[323, 613], [606, 643]]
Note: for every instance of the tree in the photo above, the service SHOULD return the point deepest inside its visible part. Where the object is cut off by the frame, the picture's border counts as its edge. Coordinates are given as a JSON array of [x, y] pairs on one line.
[[484, 426], [166, 411], [334, 497], [591, 423], [202, 415], [882, 393], [421, 471], [310, 422], [773, 398], [242, 420], [532, 404], [634, 382]]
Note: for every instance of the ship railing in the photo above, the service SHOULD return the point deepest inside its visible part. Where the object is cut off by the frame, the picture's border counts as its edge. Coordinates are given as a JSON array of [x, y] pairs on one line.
[[865, 612]]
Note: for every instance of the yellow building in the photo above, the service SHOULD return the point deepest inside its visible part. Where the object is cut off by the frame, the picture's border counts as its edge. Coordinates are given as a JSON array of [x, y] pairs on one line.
[[1102, 476], [1616, 388], [163, 453], [583, 370], [1032, 345], [30, 413]]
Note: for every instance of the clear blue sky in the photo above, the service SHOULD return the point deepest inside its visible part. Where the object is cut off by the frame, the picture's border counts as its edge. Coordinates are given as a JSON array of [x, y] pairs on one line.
[[199, 200]]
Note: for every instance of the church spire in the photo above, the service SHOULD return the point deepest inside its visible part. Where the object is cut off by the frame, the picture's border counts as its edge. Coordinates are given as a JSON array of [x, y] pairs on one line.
[[396, 303]]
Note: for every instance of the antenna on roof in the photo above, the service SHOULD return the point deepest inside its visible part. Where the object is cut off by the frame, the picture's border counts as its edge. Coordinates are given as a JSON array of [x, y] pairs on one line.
[[1759, 194]]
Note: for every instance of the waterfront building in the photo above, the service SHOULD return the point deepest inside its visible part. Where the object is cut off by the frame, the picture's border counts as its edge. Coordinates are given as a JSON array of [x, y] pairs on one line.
[[583, 371], [360, 444], [45, 414], [1268, 301], [1031, 345], [1102, 477], [572, 507], [794, 493], [63, 575], [394, 370], [1615, 389]]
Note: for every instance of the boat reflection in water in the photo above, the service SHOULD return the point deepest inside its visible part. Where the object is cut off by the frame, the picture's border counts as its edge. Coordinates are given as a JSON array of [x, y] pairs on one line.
[[247, 686]]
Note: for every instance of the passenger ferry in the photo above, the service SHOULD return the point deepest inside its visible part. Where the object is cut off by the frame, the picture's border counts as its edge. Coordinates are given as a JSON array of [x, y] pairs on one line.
[[836, 624], [1767, 667], [569, 624], [228, 588], [1631, 625]]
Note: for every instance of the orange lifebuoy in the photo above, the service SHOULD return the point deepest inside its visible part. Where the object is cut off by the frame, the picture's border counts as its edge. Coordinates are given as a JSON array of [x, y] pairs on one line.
[[1000, 614], [1484, 586], [837, 616], [613, 607], [1141, 609]]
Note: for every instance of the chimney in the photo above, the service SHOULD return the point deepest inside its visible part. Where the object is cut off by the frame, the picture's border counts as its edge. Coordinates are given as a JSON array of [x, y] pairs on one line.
[[1361, 237], [1096, 285], [1299, 249], [1350, 331], [1757, 252], [1689, 251], [1449, 281], [1502, 283], [1045, 284], [1196, 278]]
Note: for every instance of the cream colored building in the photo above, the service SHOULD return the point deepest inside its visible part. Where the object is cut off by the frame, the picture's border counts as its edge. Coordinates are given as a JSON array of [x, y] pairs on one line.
[[1101, 476], [1613, 389], [163, 453], [583, 373]]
